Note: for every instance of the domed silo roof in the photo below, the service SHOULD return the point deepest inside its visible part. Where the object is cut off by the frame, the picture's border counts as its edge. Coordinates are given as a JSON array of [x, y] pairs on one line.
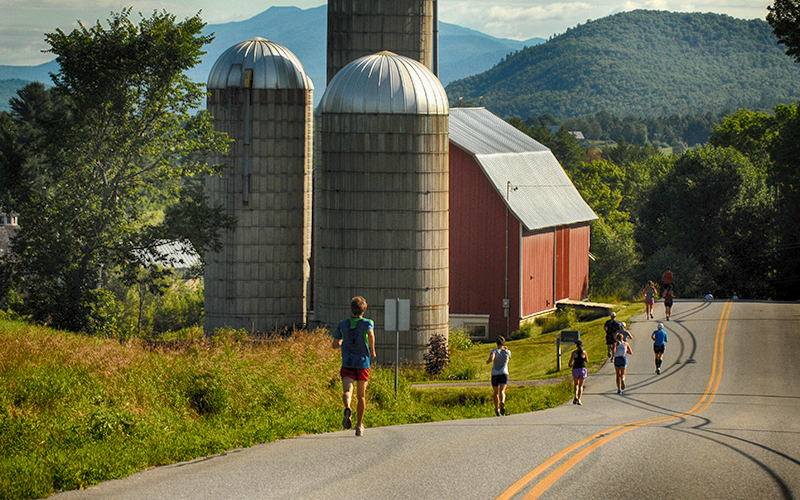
[[273, 65], [385, 83]]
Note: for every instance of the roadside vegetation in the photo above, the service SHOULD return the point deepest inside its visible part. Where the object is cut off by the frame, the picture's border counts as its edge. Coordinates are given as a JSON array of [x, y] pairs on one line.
[[76, 410]]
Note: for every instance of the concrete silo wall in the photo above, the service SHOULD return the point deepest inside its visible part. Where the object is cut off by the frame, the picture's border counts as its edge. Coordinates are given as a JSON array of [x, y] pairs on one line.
[[358, 28], [382, 201], [260, 280]]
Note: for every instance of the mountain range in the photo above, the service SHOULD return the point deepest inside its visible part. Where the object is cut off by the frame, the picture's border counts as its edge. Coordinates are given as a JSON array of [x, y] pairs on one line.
[[641, 63], [463, 52]]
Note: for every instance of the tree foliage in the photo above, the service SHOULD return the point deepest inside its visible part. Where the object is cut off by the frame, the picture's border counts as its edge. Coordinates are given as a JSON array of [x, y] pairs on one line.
[[714, 207], [784, 17], [81, 160]]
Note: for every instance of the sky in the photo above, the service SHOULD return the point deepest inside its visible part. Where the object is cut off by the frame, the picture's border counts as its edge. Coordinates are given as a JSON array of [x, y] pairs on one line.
[[23, 23]]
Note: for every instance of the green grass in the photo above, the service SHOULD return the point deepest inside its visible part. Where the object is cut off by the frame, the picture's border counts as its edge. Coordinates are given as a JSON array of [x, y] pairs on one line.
[[77, 410], [534, 357]]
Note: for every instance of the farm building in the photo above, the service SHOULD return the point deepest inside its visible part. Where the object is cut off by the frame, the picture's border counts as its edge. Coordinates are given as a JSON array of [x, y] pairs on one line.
[[8, 228], [519, 230], [260, 95], [380, 201]]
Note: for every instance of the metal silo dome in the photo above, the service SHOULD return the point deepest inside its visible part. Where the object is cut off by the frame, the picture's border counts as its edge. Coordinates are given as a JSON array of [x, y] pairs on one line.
[[273, 66], [385, 83], [381, 204], [260, 96]]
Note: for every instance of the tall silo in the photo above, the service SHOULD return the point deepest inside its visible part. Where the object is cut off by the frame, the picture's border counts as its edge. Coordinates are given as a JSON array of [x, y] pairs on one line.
[[382, 198], [260, 95], [358, 28]]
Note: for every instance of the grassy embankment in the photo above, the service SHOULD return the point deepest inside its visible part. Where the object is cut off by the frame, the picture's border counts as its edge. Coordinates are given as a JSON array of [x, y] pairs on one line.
[[77, 410]]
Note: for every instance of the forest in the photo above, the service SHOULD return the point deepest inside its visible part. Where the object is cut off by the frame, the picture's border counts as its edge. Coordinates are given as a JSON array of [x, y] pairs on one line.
[[641, 63]]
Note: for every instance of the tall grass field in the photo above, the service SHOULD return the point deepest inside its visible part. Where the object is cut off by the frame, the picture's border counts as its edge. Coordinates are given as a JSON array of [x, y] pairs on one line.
[[77, 410]]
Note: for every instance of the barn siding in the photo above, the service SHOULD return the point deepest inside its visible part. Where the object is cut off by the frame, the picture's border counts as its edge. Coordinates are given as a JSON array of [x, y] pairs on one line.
[[477, 248], [579, 261], [537, 272]]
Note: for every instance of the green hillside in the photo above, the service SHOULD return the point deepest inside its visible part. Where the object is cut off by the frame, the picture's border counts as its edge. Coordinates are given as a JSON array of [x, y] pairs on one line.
[[642, 63]]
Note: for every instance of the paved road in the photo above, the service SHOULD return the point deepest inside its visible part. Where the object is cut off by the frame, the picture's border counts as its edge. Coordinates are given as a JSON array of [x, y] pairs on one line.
[[721, 421]]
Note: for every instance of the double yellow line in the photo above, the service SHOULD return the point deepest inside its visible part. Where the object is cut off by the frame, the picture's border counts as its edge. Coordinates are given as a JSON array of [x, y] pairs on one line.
[[600, 438]]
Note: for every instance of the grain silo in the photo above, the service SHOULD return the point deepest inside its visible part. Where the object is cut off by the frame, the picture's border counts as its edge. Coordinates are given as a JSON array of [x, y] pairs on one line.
[[260, 95], [358, 28], [381, 193]]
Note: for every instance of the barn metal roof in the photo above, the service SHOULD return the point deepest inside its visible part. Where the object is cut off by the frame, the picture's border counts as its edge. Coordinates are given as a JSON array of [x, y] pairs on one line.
[[524, 172], [175, 254], [385, 83], [274, 67]]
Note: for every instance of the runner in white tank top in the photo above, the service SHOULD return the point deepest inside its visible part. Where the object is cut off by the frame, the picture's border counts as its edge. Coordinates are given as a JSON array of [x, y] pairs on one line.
[[621, 350]]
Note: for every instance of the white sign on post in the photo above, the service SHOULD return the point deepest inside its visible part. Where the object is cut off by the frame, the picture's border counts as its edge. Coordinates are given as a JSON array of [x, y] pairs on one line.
[[397, 315]]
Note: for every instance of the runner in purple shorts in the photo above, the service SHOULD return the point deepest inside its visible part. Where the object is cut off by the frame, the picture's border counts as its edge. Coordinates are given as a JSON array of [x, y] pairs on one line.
[[577, 361]]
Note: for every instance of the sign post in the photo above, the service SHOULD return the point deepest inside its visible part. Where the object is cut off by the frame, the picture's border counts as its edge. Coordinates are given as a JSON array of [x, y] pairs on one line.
[[566, 337], [397, 317]]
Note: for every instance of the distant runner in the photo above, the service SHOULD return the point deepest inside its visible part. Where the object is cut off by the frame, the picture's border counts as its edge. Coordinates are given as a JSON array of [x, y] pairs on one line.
[[668, 300], [649, 299], [666, 278], [626, 334], [611, 327], [499, 357], [577, 362], [621, 351], [659, 344]]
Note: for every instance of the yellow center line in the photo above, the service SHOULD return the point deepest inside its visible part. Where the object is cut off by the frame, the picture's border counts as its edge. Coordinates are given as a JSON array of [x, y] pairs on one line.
[[600, 438]]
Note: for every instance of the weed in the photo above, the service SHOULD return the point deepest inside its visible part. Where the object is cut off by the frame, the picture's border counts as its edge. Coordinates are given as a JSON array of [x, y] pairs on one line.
[[558, 321], [458, 340]]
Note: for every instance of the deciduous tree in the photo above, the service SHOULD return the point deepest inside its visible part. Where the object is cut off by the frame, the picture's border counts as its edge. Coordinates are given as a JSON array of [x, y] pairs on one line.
[[125, 128], [784, 17]]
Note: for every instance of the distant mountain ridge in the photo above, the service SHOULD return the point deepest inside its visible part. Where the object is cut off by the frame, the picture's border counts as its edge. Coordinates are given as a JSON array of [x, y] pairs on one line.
[[463, 52], [641, 63]]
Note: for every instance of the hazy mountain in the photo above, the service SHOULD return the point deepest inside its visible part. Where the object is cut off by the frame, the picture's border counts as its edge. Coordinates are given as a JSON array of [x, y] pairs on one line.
[[642, 63], [463, 52]]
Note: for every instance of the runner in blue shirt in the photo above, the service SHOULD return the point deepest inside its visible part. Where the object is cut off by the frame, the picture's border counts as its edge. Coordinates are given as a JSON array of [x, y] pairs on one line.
[[356, 338], [659, 344]]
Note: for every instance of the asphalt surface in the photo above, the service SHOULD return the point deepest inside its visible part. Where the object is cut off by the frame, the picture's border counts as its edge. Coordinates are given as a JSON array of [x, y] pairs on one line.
[[721, 421]]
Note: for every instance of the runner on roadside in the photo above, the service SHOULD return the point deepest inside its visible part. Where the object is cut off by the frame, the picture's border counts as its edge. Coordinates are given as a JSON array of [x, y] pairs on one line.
[[499, 357], [626, 334], [649, 299], [577, 361], [611, 327], [621, 351], [356, 339], [668, 300], [666, 278], [659, 344]]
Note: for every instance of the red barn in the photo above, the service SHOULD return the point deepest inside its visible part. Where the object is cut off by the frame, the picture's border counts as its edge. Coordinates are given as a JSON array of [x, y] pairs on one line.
[[519, 230]]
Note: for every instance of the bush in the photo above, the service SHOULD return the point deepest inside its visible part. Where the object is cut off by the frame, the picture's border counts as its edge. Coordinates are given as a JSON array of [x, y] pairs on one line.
[[105, 318], [558, 321], [180, 307], [437, 358], [525, 331], [458, 340]]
